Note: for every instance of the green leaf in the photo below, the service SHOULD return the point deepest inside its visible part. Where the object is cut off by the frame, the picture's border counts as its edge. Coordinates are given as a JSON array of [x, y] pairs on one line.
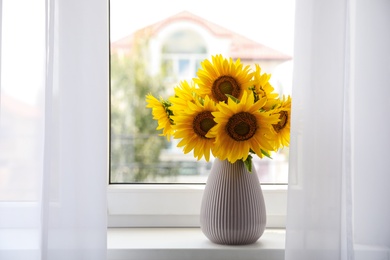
[[236, 100], [248, 163], [266, 154]]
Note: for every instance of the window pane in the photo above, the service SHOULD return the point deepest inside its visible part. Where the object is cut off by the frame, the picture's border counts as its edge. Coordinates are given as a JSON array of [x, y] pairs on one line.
[[152, 53], [184, 66], [22, 68]]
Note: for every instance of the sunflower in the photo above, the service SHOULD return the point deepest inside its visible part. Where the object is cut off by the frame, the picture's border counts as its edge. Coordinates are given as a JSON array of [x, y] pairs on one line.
[[223, 76], [242, 128], [282, 128], [263, 89], [183, 93], [162, 113], [192, 126]]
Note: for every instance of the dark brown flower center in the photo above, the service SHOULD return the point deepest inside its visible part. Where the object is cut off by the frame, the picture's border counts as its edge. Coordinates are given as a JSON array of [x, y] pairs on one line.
[[202, 123], [225, 85], [241, 126], [283, 116]]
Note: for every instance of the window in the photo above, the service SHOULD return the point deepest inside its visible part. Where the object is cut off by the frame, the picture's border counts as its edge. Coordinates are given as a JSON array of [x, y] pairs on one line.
[[159, 184], [21, 124]]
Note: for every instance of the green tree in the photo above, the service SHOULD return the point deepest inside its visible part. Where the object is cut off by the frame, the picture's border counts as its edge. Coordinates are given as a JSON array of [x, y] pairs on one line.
[[135, 144]]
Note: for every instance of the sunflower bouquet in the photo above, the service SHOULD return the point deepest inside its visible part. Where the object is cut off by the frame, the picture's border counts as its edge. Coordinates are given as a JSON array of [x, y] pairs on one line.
[[229, 110]]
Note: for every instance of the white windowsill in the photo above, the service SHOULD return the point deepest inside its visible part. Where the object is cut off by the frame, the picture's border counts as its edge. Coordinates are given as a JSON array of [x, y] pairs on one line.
[[177, 205], [187, 243]]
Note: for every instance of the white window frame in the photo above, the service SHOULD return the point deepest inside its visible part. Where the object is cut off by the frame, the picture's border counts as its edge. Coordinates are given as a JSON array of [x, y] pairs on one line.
[[176, 205]]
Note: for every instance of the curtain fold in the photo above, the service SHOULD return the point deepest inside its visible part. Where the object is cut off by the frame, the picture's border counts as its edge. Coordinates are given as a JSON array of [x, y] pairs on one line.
[[54, 129], [339, 178]]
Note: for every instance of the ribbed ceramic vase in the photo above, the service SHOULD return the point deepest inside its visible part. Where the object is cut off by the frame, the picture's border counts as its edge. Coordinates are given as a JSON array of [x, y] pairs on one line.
[[233, 209]]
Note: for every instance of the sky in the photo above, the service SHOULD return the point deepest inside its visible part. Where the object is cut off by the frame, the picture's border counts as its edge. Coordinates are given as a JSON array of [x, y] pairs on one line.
[[269, 22]]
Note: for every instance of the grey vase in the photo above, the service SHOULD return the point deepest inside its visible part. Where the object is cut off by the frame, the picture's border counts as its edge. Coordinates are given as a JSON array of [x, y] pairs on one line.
[[233, 209]]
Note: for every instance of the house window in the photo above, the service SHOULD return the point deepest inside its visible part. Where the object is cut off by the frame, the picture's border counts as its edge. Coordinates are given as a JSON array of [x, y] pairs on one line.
[[184, 49]]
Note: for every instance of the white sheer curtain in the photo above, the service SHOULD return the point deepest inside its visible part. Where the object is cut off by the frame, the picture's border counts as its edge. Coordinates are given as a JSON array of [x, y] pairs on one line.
[[339, 183], [53, 129]]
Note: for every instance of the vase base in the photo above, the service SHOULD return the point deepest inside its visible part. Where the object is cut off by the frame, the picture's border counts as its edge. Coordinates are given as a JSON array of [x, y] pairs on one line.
[[234, 243]]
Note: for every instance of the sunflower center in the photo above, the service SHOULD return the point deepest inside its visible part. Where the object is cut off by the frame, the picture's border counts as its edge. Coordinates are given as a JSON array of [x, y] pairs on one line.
[[283, 116], [225, 85], [202, 123], [241, 126]]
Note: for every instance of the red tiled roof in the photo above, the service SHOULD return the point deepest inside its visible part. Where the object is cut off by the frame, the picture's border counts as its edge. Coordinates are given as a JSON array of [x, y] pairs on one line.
[[124, 43], [247, 49], [214, 29], [241, 47]]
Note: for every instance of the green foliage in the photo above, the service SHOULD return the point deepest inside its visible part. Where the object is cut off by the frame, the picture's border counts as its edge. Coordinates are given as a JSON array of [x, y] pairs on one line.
[[135, 144], [248, 163], [236, 100]]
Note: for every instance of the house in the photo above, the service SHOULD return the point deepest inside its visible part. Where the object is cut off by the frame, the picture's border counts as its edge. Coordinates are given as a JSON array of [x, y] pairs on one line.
[[184, 40]]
